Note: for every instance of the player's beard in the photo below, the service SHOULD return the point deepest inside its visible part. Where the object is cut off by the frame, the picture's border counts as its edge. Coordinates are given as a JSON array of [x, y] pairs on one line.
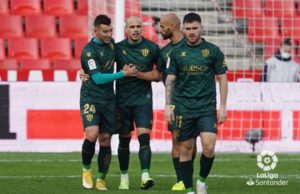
[[107, 40], [167, 35]]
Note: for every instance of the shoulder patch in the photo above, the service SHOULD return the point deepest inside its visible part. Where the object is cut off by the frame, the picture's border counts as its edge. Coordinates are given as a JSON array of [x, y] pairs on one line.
[[92, 64]]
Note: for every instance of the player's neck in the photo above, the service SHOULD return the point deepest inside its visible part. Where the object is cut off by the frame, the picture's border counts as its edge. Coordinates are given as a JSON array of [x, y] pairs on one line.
[[196, 43], [177, 37], [131, 42]]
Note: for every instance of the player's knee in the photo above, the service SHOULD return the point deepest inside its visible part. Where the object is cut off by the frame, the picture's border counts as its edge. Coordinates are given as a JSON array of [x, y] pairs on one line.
[[144, 139], [124, 141], [175, 148], [209, 150], [104, 140], [186, 149], [91, 135]]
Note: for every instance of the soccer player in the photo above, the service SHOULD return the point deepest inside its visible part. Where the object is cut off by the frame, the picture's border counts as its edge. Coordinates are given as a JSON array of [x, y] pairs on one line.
[[97, 100], [191, 85], [134, 100], [169, 29]]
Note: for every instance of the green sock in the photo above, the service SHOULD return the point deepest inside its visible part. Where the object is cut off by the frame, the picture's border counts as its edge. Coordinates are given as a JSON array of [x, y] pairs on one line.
[[87, 166], [190, 189], [177, 169], [201, 179], [101, 175]]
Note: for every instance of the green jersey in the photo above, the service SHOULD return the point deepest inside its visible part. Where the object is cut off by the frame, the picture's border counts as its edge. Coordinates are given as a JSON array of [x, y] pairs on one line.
[[195, 68], [97, 57], [144, 55], [164, 57]]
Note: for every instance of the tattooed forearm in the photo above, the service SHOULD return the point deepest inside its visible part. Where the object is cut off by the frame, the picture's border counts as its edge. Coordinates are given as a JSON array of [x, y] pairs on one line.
[[170, 82]]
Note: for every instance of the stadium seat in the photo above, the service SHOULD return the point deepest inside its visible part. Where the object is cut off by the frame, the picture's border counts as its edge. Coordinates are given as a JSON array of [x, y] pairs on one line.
[[41, 26], [82, 7], [8, 70], [79, 45], [25, 7], [66, 70], [10, 26], [239, 122], [73, 26], [296, 124], [56, 48], [4, 10], [280, 8], [236, 75], [23, 48], [271, 124], [290, 27], [261, 28], [133, 8], [58, 7], [35, 70], [247, 9], [2, 52], [271, 46]]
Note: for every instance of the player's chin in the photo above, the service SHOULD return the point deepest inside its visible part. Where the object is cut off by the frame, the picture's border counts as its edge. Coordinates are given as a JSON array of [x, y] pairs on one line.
[[192, 39], [107, 41]]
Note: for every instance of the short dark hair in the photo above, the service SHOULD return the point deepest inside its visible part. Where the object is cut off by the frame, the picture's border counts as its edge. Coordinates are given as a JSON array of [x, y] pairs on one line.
[[286, 42], [191, 17], [102, 19]]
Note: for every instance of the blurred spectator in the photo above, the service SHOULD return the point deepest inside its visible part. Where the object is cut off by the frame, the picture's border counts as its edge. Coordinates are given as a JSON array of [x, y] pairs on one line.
[[280, 67]]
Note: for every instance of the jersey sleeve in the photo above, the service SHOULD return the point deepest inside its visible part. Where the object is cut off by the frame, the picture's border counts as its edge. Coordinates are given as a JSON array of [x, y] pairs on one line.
[[220, 65], [156, 58], [171, 64], [161, 64], [89, 62]]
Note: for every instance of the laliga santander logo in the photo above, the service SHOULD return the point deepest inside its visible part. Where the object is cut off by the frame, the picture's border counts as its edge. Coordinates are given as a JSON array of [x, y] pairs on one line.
[[267, 160]]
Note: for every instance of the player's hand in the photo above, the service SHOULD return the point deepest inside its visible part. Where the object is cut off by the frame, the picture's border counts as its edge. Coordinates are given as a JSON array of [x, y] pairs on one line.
[[222, 115], [169, 113], [83, 76], [130, 71]]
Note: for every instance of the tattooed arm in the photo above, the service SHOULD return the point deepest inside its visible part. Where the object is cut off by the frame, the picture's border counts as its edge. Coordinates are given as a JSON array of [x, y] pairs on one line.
[[170, 82]]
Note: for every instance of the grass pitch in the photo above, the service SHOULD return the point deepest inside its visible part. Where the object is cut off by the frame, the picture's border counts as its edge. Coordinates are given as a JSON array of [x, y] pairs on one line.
[[61, 173]]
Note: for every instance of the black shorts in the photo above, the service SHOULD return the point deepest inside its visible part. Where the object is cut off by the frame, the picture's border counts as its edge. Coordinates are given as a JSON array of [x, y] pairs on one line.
[[172, 126], [190, 125], [102, 115], [127, 116]]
